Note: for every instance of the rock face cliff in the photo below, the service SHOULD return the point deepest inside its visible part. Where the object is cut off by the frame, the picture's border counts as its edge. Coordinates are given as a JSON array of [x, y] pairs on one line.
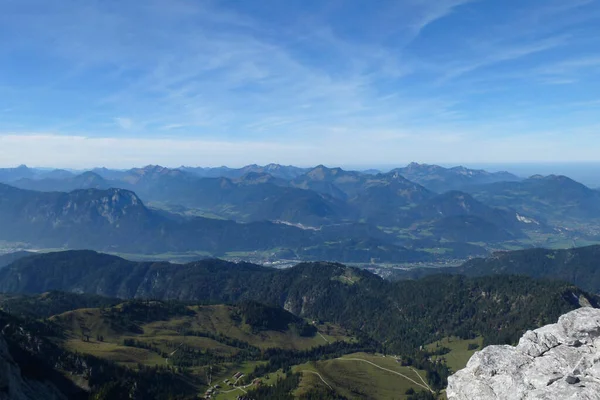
[[557, 361], [13, 386]]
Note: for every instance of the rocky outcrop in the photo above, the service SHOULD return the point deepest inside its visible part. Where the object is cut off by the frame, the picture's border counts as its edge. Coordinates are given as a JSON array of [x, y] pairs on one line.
[[13, 386], [558, 361]]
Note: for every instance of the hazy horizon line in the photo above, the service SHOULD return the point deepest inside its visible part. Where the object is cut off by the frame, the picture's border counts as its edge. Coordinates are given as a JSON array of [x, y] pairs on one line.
[[343, 166]]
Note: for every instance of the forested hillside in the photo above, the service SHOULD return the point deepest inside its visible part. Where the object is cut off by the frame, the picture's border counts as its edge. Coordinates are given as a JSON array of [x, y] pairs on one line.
[[35, 367], [402, 314], [579, 266]]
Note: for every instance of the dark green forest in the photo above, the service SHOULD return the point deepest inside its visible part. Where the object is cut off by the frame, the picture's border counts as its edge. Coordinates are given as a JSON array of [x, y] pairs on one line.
[[402, 314]]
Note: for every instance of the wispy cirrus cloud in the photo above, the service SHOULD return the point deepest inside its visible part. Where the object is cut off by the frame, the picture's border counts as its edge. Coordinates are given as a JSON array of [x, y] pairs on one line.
[[428, 12], [346, 72], [508, 53], [571, 70]]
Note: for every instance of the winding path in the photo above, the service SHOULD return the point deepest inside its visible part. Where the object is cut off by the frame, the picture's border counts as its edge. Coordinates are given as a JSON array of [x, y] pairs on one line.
[[324, 338], [425, 386], [242, 388], [319, 375], [420, 377]]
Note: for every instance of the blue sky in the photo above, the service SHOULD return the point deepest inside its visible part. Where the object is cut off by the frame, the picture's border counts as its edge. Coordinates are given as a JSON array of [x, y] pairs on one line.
[[122, 83]]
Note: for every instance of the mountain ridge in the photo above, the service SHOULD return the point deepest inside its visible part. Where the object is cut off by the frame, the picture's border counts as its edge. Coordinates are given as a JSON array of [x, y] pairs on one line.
[[547, 197], [410, 217], [312, 290], [439, 179]]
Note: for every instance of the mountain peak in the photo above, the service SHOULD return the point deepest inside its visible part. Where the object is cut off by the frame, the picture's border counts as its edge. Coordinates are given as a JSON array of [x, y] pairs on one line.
[[153, 168], [254, 177], [111, 204], [151, 171], [467, 171], [272, 166], [114, 194], [90, 174], [414, 166], [557, 179], [396, 175], [321, 172], [537, 176]]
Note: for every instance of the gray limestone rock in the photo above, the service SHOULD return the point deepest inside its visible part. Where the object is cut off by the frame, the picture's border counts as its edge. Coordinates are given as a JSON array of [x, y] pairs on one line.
[[558, 361]]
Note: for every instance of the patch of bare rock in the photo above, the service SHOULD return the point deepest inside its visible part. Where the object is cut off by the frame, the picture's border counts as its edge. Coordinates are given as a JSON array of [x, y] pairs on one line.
[[556, 362]]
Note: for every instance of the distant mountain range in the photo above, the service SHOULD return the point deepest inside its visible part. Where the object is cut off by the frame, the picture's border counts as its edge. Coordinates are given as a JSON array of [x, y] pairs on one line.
[[329, 195], [24, 172], [117, 220], [553, 197], [439, 179], [286, 172], [292, 210]]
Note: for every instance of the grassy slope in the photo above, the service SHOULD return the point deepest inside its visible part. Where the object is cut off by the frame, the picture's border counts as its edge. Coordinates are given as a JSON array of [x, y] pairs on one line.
[[214, 319], [354, 379], [357, 379], [164, 336], [217, 319]]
